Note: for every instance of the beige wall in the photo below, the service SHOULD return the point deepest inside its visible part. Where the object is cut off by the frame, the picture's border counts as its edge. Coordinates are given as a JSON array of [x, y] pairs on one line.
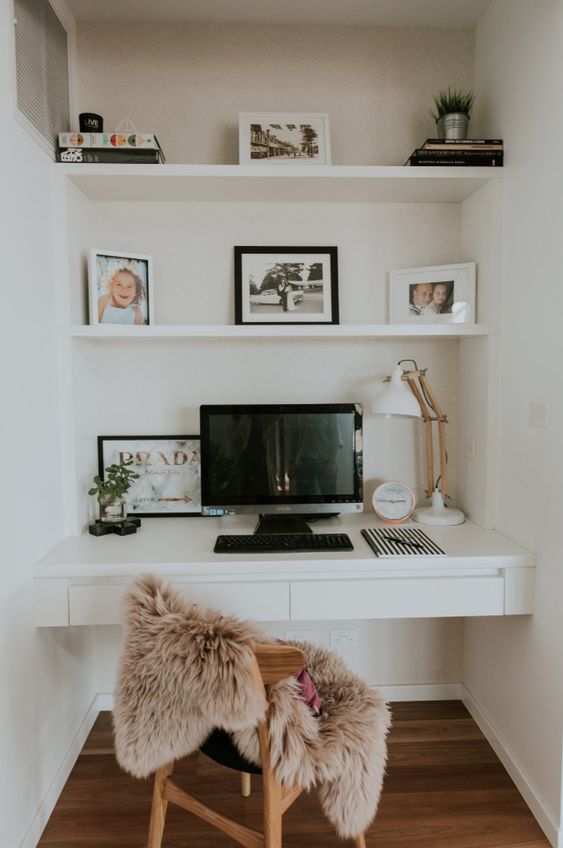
[[188, 83]]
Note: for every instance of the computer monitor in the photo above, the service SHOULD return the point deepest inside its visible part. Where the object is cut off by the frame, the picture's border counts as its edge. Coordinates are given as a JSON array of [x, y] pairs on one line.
[[285, 462]]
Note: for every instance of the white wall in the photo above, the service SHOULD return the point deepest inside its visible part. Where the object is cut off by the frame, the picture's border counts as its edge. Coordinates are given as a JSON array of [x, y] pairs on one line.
[[514, 668], [47, 676], [189, 82]]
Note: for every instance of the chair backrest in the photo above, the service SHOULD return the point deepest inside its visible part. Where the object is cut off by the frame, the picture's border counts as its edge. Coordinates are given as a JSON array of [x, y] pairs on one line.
[[276, 662]]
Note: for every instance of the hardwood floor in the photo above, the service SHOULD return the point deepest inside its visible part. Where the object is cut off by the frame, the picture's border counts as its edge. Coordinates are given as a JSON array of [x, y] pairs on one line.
[[445, 788]]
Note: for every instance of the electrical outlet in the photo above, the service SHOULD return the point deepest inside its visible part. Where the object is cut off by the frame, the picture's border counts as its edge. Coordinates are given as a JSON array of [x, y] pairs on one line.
[[298, 635], [344, 638], [537, 414], [469, 450]]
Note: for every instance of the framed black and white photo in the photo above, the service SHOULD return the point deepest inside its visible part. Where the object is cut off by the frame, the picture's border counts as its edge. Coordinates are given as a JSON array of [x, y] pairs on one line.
[[169, 470], [440, 294], [286, 285], [121, 288], [283, 138]]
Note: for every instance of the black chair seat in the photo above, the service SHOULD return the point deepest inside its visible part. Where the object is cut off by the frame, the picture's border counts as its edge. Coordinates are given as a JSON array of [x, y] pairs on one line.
[[219, 746]]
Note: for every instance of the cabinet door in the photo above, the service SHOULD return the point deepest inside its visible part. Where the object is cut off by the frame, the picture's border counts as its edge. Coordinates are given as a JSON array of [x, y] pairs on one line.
[[265, 601]]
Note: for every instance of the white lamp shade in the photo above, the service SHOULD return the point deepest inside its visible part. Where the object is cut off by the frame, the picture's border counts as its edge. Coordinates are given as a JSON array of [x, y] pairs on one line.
[[396, 398]]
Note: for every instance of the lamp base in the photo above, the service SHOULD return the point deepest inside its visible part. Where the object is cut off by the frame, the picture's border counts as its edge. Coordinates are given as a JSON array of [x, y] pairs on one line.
[[438, 514]]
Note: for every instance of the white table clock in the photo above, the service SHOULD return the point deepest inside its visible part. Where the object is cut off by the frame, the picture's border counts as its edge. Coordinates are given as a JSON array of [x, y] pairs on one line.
[[393, 502]]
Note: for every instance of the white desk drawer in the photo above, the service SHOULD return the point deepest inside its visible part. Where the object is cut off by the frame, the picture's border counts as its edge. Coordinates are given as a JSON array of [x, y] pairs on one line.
[[266, 601], [438, 597]]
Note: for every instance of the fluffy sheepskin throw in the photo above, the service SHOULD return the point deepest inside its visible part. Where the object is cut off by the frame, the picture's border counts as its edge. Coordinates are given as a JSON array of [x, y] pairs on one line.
[[185, 670]]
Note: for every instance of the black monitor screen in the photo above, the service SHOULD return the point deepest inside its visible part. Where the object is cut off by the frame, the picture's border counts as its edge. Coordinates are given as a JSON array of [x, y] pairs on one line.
[[256, 456]]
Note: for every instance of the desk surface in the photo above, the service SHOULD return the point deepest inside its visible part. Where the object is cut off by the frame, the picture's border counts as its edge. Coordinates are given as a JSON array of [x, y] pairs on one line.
[[184, 546], [82, 581]]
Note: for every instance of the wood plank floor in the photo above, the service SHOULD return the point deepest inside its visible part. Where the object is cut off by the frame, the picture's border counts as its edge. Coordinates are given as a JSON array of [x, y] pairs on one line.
[[445, 788]]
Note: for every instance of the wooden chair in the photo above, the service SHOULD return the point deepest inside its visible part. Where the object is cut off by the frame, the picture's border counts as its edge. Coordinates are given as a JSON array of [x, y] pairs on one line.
[[271, 663]]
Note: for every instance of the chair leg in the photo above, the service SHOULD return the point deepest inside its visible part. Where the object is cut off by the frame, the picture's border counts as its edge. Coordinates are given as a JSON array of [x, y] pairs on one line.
[[360, 841], [244, 784], [272, 812], [159, 806]]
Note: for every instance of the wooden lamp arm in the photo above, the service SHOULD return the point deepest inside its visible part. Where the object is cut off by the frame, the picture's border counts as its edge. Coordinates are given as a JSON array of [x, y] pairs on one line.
[[442, 420]]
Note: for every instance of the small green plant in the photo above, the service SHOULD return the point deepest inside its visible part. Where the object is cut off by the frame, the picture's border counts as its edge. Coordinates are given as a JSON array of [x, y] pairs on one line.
[[453, 100], [117, 482]]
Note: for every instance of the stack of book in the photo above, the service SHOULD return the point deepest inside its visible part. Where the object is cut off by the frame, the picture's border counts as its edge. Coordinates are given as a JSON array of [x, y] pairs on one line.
[[467, 152], [124, 148]]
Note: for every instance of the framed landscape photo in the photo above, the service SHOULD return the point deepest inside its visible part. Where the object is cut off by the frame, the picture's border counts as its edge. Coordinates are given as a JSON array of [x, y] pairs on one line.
[[121, 288], [286, 285], [440, 294], [283, 138], [169, 470]]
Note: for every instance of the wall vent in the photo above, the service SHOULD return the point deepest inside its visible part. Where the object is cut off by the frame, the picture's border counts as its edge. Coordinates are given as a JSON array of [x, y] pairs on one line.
[[42, 84]]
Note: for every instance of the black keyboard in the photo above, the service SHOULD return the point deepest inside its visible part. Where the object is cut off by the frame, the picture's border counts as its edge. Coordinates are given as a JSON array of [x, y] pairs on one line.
[[279, 543]]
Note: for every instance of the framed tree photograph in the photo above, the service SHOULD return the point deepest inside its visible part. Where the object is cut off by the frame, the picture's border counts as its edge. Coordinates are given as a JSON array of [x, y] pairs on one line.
[[283, 138], [286, 285], [439, 294], [121, 288], [169, 470]]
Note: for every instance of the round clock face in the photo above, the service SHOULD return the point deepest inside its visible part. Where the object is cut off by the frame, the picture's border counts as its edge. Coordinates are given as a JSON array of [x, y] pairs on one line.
[[393, 502]]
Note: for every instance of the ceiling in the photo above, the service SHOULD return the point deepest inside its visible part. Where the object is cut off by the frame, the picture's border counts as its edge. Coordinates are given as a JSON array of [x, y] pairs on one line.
[[384, 13]]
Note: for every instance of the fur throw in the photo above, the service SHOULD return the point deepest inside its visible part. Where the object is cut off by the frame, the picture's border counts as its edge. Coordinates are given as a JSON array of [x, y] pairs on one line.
[[185, 670]]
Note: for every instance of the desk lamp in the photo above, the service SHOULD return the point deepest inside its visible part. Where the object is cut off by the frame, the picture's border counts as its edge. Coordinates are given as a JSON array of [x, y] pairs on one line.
[[409, 394]]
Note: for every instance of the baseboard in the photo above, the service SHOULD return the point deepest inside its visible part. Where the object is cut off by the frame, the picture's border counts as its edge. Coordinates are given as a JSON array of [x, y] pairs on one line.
[[416, 692], [104, 701], [47, 805], [423, 692], [525, 786]]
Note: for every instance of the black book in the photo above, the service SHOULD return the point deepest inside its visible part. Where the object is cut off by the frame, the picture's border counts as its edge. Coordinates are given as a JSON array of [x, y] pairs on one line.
[[484, 160], [124, 156], [457, 157]]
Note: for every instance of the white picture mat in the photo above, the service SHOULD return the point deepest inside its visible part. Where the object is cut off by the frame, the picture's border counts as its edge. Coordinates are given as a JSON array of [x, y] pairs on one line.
[[318, 120], [463, 276], [137, 262], [254, 264]]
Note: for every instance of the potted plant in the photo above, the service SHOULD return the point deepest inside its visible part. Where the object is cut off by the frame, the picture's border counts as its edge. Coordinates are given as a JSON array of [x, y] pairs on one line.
[[453, 110], [111, 491]]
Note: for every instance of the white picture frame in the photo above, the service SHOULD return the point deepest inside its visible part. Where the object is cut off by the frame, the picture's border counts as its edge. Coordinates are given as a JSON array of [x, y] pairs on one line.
[[282, 140], [120, 288], [437, 294]]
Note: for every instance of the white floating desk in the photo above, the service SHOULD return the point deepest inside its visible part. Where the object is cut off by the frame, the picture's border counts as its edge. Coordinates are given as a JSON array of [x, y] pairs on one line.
[[82, 580]]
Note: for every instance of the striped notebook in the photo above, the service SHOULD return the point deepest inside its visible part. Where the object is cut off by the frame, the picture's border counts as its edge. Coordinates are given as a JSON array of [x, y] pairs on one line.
[[403, 541]]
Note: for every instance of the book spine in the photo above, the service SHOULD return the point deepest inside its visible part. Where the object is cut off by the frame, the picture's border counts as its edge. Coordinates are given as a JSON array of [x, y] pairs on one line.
[[110, 141], [477, 147], [453, 142], [81, 155], [468, 161]]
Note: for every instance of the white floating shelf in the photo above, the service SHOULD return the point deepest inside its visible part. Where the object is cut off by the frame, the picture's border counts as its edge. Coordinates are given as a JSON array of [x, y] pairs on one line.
[[276, 331], [291, 183]]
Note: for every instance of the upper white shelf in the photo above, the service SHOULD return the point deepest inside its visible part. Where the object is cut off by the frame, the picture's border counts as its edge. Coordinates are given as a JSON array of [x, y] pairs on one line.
[[291, 183], [277, 331]]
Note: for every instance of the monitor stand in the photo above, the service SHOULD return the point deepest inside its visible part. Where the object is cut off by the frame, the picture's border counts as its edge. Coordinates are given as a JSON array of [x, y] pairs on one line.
[[271, 523]]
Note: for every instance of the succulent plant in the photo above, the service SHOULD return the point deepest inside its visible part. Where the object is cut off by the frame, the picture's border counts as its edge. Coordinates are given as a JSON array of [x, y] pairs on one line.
[[117, 482]]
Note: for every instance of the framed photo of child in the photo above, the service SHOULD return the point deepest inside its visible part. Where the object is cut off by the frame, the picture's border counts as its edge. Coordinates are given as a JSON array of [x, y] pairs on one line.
[[121, 288]]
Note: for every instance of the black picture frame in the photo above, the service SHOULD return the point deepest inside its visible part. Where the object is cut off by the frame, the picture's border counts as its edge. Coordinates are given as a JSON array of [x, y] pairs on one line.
[[309, 276], [167, 472]]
